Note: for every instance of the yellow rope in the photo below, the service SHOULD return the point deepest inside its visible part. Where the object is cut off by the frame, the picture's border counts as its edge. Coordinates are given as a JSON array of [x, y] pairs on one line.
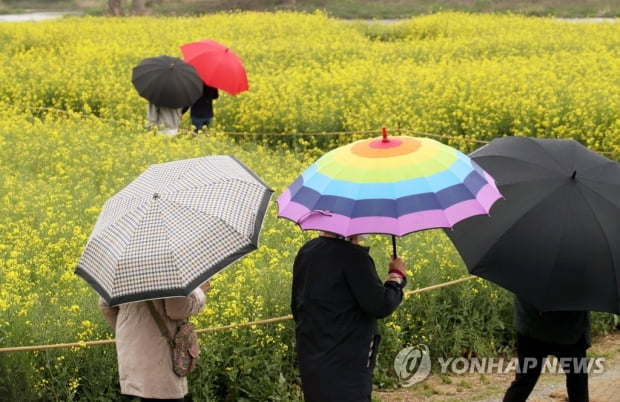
[[246, 324], [311, 134], [274, 134], [211, 329], [440, 285], [56, 346]]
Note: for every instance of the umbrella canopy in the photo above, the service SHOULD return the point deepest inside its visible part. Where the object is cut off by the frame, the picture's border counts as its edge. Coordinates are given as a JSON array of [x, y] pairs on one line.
[[394, 185], [217, 65], [555, 238], [173, 228], [167, 81]]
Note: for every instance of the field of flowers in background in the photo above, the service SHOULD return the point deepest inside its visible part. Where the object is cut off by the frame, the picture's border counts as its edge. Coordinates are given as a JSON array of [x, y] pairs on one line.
[[71, 132]]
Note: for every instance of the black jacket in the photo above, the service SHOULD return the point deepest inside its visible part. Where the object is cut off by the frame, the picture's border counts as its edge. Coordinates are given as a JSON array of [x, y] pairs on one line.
[[559, 327], [203, 107], [337, 298]]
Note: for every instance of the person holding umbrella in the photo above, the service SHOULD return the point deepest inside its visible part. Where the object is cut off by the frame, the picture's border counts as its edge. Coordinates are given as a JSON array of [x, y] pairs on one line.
[[169, 84], [552, 240], [337, 298], [201, 112], [162, 238], [565, 334], [144, 364]]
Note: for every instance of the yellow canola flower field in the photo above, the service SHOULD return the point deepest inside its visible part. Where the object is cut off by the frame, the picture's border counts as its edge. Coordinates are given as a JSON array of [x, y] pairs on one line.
[[470, 76], [72, 134]]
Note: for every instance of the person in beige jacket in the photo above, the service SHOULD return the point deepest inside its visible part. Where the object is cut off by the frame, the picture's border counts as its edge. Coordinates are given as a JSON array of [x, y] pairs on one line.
[[144, 355]]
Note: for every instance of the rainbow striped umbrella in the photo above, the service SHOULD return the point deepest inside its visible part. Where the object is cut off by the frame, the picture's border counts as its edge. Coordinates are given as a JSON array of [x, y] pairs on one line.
[[394, 185]]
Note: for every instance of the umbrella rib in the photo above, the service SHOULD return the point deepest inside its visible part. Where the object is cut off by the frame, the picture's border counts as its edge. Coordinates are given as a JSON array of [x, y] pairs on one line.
[[552, 156], [514, 219], [216, 217], [600, 226], [556, 268], [482, 161], [539, 163], [127, 245], [177, 265]]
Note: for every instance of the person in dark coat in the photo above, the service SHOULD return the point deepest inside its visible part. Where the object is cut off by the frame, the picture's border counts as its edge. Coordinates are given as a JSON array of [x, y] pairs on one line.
[[201, 112], [337, 298], [564, 334]]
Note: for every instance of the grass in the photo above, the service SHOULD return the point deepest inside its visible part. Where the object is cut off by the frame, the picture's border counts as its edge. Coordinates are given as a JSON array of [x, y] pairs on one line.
[[348, 9]]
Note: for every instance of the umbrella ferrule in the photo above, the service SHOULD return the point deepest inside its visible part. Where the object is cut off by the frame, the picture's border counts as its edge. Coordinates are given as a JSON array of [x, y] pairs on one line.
[[574, 174]]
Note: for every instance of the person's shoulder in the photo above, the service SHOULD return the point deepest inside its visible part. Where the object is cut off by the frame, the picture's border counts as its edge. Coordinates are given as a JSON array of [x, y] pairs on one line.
[[312, 243], [352, 251], [325, 244], [360, 252]]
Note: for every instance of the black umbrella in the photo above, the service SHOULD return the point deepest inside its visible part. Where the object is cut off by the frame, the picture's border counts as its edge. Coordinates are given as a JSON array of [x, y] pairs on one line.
[[554, 239], [167, 81]]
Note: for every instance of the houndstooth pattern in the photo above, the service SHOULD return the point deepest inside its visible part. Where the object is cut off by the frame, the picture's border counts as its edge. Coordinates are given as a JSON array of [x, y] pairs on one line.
[[174, 227]]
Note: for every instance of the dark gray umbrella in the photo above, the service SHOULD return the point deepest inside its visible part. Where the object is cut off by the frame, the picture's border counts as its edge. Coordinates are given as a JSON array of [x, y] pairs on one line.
[[173, 228], [167, 81], [554, 239]]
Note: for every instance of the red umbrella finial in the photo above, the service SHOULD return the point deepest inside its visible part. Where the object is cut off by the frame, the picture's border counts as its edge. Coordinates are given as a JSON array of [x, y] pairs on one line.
[[384, 131]]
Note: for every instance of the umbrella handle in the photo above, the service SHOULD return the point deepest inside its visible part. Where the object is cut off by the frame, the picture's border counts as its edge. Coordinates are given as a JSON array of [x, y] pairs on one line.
[[394, 245]]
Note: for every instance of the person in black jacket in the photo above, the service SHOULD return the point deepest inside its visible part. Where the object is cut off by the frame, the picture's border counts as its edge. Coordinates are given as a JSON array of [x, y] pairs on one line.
[[564, 334], [201, 112], [337, 298]]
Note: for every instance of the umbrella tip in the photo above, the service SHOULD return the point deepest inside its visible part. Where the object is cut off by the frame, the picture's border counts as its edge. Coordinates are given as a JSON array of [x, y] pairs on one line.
[[384, 133], [155, 196], [172, 66], [574, 174]]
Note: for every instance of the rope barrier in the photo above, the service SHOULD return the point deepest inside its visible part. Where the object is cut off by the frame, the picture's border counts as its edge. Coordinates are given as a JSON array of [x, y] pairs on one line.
[[245, 324], [440, 285], [210, 329], [56, 346], [269, 134], [274, 134]]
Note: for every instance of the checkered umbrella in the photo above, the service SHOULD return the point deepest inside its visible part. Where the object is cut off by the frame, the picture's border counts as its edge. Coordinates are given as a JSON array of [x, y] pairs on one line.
[[173, 228]]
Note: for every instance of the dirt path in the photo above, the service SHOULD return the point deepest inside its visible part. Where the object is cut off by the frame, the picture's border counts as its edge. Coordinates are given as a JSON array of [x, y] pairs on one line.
[[604, 386]]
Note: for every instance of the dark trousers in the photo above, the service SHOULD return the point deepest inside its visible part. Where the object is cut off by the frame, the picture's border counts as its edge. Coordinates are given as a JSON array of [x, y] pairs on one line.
[[531, 356], [200, 123]]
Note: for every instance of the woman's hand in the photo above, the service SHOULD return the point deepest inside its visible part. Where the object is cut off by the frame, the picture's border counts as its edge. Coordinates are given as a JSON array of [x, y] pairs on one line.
[[397, 270]]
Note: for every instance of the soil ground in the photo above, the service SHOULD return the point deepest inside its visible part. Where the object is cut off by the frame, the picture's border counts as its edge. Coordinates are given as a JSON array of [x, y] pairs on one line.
[[603, 386]]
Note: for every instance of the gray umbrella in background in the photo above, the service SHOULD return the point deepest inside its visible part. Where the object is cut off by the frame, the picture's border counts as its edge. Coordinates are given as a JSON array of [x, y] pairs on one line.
[[173, 228]]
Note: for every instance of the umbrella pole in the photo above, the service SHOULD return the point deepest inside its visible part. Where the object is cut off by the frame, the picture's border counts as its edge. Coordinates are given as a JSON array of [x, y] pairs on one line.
[[394, 245]]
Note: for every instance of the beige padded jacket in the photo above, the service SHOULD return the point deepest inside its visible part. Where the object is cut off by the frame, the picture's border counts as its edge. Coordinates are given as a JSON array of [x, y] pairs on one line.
[[144, 356]]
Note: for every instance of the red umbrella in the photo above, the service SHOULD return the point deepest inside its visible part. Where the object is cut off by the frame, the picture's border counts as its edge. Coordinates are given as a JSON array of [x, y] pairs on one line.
[[217, 65]]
